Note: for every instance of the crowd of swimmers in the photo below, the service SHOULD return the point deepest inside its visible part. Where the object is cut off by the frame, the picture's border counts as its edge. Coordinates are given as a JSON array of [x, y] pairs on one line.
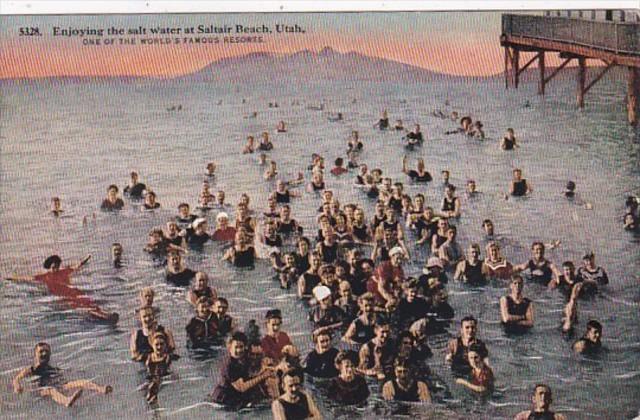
[[370, 320]]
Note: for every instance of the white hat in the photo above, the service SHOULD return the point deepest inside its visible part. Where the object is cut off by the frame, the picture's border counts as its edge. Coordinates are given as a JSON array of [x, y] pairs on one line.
[[321, 292], [222, 215], [395, 250], [198, 222]]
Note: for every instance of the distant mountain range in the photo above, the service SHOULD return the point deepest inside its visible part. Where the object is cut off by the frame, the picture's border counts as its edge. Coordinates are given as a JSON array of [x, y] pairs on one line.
[[327, 64], [305, 65]]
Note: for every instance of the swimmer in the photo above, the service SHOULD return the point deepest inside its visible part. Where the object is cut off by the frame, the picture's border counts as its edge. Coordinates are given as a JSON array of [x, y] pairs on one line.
[[362, 329], [58, 282], [414, 138], [265, 143], [202, 329], [487, 226], [150, 202], [338, 169], [509, 141], [411, 307], [516, 311], [224, 322], [495, 265], [320, 362], [134, 189], [242, 253], [201, 289], [250, 146], [354, 144], [116, 255], [234, 387], [481, 374], [56, 206], [317, 182], [469, 270], [177, 274], [146, 297], [271, 171], [325, 316], [112, 202], [420, 174], [48, 379], [349, 388], [450, 252], [471, 190], [630, 223], [157, 365], [281, 128], [223, 231], [450, 203], [591, 274], [210, 170], [336, 117], [294, 403], [591, 341], [476, 131], [376, 355], [541, 400], [445, 174], [184, 219], [538, 268], [459, 347], [275, 339], [519, 186], [140, 339], [398, 125], [383, 122], [404, 386]]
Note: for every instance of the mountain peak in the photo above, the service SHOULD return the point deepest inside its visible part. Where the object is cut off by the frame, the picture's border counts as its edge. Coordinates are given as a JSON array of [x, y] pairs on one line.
[[327, 51]]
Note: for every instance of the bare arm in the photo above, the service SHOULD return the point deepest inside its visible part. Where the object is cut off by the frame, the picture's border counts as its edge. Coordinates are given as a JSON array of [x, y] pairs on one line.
[[528, 317], [20, 278], [278, 411], [243, 386], [17, 381], [423, 392], [475, 388], [314, 413], [388, 391], [351, 332], [404, 165], [81, 263], [135, 354], [459, 273]]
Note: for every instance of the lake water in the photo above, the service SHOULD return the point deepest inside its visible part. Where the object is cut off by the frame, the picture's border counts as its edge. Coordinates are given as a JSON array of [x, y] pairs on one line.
[[74, 140]]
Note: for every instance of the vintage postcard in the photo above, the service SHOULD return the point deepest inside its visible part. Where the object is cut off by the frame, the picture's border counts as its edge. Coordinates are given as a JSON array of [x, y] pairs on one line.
[[320, 215]]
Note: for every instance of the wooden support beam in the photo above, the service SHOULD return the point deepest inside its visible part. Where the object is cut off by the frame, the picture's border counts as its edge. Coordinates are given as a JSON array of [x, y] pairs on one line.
[[515, 66], [599, 76], [528, 64], [541, 68], [577, 50], [557, 70], [506, 67], [633, 91], [582, 70]]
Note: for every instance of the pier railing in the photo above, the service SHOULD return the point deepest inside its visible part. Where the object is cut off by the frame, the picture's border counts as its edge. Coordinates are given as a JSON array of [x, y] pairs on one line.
[[614, 36]]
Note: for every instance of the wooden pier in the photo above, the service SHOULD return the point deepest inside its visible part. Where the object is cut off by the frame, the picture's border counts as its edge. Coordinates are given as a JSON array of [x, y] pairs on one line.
[[615, 43]]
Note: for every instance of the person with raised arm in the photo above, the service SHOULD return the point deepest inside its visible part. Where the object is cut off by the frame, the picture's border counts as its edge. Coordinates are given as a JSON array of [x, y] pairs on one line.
[[58, 282]]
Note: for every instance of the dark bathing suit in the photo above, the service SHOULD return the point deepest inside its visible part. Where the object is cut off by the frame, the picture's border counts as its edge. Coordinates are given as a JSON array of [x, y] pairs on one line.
[[474, 275], [298, 410], [544, 277], [520, 188], [519, 309], [181, 279], [410, 394], [548, 415]]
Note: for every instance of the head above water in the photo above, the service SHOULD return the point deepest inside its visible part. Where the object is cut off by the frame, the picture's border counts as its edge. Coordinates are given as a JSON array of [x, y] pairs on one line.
[[54, 261]]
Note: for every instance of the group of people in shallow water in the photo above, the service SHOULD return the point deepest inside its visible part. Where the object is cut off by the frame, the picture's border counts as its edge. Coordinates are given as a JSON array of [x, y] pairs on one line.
[[370, 320]]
